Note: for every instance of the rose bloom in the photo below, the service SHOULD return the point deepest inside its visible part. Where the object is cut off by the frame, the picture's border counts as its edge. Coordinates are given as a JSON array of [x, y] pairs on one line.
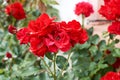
[[114, 28], [83, 36], [38, 47], [16, 10], [23, 35], [110, 10], [75, 32], [45, 35], [84, 8], [12, 29], [58, 38], [40, 26], [106, 1], [111, 76]]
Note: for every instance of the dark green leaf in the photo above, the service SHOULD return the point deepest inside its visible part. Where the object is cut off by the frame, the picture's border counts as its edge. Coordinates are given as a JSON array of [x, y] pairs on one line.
[[102, 45], [110, 59], [90, 31], [49, 55], [62, 62], [111, 36]]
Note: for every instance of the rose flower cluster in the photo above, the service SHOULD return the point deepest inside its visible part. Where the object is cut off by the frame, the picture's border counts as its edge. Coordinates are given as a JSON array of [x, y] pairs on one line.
[[110, 10], [45, 35]]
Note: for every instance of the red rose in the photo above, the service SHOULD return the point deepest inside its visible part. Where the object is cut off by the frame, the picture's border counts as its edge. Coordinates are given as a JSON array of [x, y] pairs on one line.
[[12, 29], [83, 36], [40, 26], [59, 39], [8, 55], [16, 10], [73, 29], [75, 32], [108, 12], [23, 35], [106, 1], [111, 76], [84, 8], [51, 44], [38, 47], [111, 10], [62, 40], [114, 28]]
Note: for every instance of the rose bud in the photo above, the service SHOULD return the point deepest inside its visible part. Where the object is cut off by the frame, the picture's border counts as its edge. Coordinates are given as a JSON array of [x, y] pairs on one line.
[[8, 55], [12, 29], [107, 51]]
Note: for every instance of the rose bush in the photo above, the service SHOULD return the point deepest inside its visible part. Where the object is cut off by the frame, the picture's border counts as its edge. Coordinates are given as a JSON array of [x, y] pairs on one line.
[[41, 48]]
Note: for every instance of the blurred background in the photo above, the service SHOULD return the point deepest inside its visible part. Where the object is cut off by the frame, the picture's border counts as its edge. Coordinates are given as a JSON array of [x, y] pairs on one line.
[[66, 9]]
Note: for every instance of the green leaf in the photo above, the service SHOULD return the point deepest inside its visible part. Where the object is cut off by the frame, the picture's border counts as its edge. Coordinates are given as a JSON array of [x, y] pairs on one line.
[[90, 31], [97, 77], [93, 50], [116, 52], [102, 45], [48, 2], [3, 77], [94, 39], [53, 2], [49, 55], [85, 78], [85, 45], [98, 56], [62, 62], [111, 36], [92, 66], [110, 59], [36, 13], [1, 71], [81, 64], [31, 71]]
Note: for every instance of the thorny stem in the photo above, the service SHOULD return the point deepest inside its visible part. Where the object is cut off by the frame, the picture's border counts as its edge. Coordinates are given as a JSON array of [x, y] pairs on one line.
[[66, 62], [55, 66], [83, 17], [47, 66]]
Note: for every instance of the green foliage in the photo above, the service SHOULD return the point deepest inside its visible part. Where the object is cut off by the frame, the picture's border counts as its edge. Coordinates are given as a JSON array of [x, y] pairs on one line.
[[62, 62], [88, 61]]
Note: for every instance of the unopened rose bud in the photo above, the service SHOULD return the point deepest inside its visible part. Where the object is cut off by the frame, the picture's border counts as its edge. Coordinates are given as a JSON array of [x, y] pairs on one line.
[[12, 29], [8, 55], [107, 51]]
